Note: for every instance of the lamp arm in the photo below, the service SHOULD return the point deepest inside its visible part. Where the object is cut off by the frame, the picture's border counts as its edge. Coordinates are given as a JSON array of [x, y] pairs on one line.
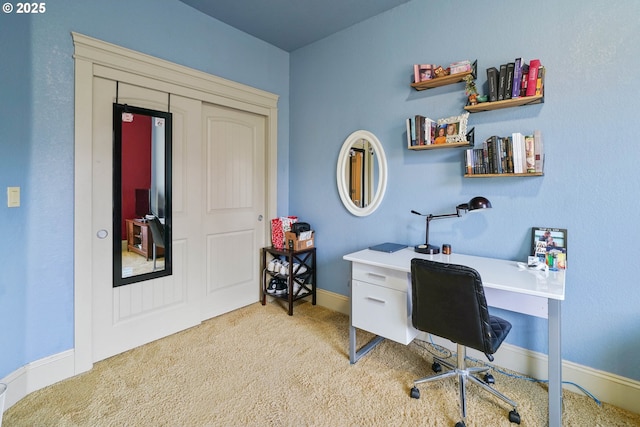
[[431, 217]]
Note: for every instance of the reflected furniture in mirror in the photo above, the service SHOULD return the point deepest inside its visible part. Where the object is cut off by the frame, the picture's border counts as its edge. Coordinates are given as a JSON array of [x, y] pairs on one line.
[[141, 194], [361, 173], [157, 234], [138, 237]]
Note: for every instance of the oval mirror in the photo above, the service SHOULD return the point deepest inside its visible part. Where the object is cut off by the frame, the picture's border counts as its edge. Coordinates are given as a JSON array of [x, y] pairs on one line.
[[361, 173]]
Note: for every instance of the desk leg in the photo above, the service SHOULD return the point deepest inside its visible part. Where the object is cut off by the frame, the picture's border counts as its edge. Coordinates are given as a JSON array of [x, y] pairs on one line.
[[355, 355], [555, 364]]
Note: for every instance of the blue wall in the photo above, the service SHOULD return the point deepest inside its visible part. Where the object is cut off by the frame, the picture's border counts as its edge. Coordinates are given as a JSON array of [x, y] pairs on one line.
[[359, 79], [37, 142]]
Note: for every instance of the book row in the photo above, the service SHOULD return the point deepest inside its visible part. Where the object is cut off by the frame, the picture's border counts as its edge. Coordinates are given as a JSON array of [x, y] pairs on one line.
[[515, 79], [515, 154]]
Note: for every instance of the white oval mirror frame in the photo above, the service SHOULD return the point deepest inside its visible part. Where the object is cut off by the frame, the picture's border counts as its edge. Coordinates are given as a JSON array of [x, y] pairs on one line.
[[343, 185]]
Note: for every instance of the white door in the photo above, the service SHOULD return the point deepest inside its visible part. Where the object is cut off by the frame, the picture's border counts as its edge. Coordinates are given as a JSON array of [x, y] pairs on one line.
[[131, 315], [215, 262], [233, 197]]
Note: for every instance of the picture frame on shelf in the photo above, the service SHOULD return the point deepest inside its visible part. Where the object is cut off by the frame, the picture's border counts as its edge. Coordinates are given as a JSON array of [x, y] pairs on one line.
[[456, 127], [549, 245]]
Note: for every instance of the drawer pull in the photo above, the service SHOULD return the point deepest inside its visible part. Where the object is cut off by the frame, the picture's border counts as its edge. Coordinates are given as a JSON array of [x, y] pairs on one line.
[[378, 276], [377, 300]]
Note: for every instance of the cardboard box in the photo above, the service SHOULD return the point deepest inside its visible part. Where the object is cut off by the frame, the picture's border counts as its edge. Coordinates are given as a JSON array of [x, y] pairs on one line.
[[299, 243]]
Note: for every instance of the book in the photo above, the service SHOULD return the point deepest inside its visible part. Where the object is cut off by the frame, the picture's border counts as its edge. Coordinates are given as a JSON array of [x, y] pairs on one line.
[[549, 245], [492, 82], [508, 83], [518, 152], [469, 161], [411, 132], [529, 147], [493, 154], [508, 143], [538, 151], [419, 132], [429, 127], [540, 81], [388, 247], [502, 78], [532, 79], [517, 78], [524, 79]]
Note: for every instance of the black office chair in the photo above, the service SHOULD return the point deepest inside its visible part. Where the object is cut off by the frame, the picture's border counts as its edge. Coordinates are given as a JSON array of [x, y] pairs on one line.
[[448, 301], [157, 233]]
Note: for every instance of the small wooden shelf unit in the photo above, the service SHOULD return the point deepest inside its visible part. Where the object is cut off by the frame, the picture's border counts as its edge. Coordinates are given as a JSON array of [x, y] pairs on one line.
[[306, 281]]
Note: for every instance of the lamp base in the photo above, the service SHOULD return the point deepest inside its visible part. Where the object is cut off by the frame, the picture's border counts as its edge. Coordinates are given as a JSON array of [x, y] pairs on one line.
[[427, 249]]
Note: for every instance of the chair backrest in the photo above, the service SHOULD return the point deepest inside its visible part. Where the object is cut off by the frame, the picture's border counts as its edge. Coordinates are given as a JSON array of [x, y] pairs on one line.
[[157, 231], [448, 301]]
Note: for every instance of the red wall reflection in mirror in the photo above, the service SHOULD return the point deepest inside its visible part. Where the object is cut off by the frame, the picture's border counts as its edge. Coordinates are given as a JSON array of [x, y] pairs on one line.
[[136, 164]]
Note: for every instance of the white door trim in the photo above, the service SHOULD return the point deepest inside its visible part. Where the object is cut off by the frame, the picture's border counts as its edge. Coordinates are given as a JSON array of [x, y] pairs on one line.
[[97, 58]]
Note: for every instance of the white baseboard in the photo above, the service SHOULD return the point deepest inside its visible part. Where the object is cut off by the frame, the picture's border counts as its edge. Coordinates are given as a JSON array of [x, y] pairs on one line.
[[37, 375], [606, 387]]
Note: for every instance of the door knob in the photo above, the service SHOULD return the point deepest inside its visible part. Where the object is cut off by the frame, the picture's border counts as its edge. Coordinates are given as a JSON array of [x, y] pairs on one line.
[[102, 234], [260, 217]]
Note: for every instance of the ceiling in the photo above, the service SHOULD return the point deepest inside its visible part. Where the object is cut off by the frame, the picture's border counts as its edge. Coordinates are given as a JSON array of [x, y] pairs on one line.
[[291, 24]]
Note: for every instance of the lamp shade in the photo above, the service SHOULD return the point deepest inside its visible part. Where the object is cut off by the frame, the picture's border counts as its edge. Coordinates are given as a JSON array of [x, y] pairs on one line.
[[479, 202]]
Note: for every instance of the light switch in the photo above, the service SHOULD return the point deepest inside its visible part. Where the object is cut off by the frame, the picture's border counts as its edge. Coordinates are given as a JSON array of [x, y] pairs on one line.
[[13, 197]]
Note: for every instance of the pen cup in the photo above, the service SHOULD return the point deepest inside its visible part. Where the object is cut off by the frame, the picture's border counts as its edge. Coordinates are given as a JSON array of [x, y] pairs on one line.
[[446, 249]]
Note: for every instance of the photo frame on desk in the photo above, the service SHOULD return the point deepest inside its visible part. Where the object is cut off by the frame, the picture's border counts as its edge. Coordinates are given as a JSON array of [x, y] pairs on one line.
[[549, 245]]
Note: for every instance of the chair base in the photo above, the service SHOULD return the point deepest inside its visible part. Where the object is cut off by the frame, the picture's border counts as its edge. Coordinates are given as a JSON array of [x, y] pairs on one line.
[[464, 374]]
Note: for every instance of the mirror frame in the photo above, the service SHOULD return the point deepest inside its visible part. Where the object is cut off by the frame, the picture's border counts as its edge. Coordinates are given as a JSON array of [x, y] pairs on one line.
[[343, 185], [118, 109]]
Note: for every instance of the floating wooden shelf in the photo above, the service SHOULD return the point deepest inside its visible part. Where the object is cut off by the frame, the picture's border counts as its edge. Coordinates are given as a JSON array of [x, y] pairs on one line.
[[507, 103], [437, 146], [502, 175], [469, 143], [445, 80]]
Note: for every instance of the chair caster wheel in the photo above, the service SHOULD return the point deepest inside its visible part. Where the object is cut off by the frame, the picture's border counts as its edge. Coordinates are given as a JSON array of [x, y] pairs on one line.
[[488, 378], [514, 417], [460, 424], [436, 367], [415, 393]]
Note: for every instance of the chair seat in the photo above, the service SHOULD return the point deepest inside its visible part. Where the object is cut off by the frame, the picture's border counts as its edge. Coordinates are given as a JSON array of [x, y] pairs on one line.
[[500, 329]]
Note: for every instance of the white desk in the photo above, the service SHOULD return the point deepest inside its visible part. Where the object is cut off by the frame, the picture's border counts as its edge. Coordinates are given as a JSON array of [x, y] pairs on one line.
[[381, 302]]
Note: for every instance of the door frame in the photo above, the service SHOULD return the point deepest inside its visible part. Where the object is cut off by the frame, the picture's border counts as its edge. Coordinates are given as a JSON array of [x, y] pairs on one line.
[[95, 58]]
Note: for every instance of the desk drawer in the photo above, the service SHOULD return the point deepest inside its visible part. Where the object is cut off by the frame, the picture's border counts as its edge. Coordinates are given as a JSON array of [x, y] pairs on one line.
[[382, 311], [381, 276]]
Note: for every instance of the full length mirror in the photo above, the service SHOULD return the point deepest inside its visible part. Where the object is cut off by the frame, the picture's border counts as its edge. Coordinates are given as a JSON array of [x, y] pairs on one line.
[[361, 173], [141, 194]]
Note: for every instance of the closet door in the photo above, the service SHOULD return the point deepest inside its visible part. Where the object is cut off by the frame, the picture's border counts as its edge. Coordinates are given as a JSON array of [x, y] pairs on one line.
[[127, 316], [233, 195]]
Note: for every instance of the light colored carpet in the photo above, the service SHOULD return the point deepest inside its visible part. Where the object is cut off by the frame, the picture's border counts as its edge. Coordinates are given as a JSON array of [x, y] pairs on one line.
[[257, 366], [134, 264]]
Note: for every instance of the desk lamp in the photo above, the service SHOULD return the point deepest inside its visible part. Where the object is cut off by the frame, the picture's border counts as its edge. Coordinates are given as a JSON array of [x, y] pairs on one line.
[[477, 202]]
